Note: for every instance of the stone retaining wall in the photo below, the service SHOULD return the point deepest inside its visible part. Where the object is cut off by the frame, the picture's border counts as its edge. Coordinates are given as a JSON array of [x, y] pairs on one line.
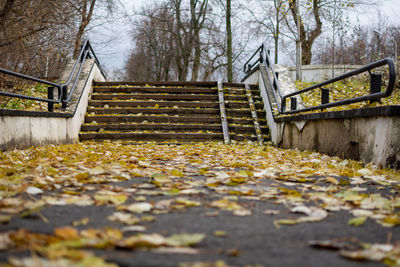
[[22, 129]]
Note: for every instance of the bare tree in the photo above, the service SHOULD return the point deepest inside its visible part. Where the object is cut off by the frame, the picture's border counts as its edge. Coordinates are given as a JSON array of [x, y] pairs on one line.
[[153, 54], [178, 32], [197, 20], [268, 19], [84, 10]]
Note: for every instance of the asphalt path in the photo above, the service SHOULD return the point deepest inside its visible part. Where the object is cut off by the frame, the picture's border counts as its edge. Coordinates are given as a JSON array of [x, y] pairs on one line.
[[253, 240]]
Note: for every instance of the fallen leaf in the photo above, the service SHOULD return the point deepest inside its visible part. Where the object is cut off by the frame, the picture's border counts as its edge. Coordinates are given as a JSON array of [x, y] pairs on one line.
[[242, 212], [183, 240], [357, 221], [140, 207], [84, 221], [110, 199], [34, 190], [220, 233], [66, 233], [125, 218]]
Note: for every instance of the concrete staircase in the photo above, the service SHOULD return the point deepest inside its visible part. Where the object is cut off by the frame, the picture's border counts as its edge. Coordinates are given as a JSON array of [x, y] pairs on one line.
[[173, 112]]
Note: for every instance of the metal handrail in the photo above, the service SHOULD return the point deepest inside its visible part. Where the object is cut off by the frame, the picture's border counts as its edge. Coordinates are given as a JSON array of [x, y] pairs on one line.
[[375, 87], [63, 95], [248, 67], [273, 82]]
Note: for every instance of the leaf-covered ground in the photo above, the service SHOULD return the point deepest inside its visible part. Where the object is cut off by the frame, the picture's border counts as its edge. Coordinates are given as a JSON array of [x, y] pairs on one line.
[[35, 90], [203, 204]]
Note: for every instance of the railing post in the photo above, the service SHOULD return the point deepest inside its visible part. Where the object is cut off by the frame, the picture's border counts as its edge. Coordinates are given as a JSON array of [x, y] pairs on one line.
[[261, 56], [283, 105], [324, 96], [275, 81], [375, 85], [64, 95], [267, 62], [50, 95], [293, 103]]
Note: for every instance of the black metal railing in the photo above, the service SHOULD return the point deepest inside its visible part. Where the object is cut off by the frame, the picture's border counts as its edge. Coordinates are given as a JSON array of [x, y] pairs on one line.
[[254, 60], [66, 89], [374, 95], [272, 76]]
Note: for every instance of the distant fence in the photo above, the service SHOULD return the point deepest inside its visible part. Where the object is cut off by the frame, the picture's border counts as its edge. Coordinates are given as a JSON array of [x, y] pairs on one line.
[[318, 73]]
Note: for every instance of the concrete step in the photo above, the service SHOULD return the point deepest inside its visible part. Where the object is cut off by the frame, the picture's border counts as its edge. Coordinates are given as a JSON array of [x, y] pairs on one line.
[[166, 119], [167, 127], [152, 136], [181, 97], [167, 90], [163, 136], [158, 119], [180, 111], [178, 104], [185, 104], [170, 84], [157, 84]]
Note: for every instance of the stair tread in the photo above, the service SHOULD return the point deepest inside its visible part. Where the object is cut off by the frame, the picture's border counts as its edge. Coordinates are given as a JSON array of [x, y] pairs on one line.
[[201, 111], [180, 97], [154, 90], [155, 96], [152, 119], [161, 127]]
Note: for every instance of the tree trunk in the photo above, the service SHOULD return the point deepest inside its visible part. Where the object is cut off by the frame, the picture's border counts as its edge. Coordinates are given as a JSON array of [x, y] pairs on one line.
[[196, 61], [180, 47], [197, 25], [276, 39], [277, 30], [307, 38], [229, 40], [86, 16]]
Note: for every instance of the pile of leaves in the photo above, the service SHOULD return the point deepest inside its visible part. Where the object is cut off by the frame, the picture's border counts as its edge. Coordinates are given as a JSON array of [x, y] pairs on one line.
[[139, 183]]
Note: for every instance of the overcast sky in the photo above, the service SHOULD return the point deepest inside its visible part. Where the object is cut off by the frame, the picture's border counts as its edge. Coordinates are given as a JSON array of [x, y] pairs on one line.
[[113, 55]]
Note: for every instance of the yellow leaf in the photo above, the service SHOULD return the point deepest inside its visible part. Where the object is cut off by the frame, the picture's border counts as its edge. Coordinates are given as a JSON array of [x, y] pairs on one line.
[[184, 240], [176, 172], [66, 233], [110, 199], [357, 221], [391, 220], [220, 233], [332, 180], [82, 176], [238, 180], [286, 222], [225, 204], [84, 221]]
